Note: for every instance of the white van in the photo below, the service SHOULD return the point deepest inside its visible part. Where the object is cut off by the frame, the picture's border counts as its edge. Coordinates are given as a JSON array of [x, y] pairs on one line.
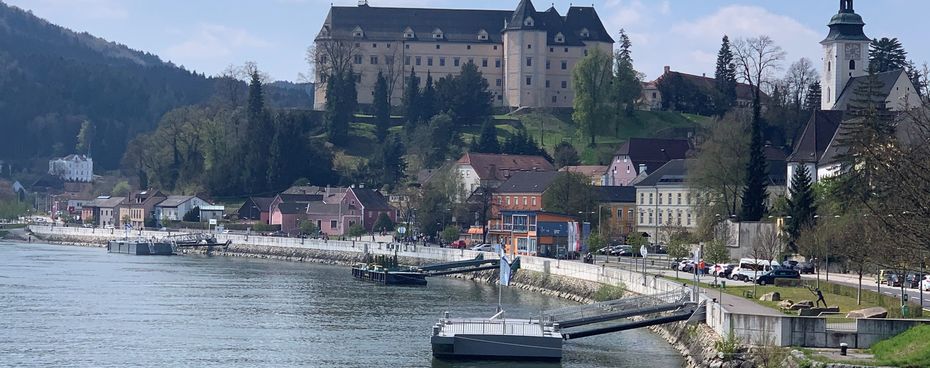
[[749, 268]]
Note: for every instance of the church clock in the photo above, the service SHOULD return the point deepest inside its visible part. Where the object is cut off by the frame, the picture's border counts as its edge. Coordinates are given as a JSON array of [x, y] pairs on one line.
[[853, 51]]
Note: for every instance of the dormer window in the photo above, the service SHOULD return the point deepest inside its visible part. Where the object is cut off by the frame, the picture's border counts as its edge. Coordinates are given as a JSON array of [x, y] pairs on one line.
[[357, 32], [528, 22], [585, 33], [325, 31], [437, 34], [408, 33], [559, 38], [482, 35]]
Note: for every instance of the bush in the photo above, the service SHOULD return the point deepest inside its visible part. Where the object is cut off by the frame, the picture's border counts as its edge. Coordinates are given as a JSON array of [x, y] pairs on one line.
[[384, 223], [308, 228], [450, 234], [356, 231], [728, 346], [908, 349], [609, 292], [193, 215]]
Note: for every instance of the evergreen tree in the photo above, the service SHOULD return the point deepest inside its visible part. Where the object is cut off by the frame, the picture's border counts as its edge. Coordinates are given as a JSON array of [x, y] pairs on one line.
[[341, 101], [427, 101], [522, 144], [801, 205], [382, 108], [887, 54], [755, 192], [487, 141], [411, 103], [627, 84], [258, 138], [388, 166], [917, 78], [725, 77], [465, 97], [812, 99], [565, 155]]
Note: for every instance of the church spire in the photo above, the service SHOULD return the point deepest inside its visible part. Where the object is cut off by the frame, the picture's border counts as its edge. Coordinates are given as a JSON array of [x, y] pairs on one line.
[[846, 25], [524, 17]]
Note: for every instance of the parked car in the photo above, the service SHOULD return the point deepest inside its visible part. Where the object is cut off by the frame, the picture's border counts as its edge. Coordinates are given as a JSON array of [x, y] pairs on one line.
[[458, 244], [912, 280], [781, 273], [719, 268], [804, 268], [925, 284], [789, 264], [612, 250], [889, 278], [750, 268], [727, 271], [484, 248]]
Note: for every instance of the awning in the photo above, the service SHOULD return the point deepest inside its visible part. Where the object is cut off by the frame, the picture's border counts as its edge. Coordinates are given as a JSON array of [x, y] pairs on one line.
[[475, 231]]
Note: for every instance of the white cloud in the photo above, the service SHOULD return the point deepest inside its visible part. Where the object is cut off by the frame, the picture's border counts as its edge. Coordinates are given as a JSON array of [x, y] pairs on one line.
[[213, 41]]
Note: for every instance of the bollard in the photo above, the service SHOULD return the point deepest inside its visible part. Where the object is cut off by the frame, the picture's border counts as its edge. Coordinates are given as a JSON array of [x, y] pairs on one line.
[[723, 284], [843, 347]]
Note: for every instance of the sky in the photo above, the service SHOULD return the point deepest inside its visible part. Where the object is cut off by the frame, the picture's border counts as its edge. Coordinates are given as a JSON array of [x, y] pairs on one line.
[[209, 35]]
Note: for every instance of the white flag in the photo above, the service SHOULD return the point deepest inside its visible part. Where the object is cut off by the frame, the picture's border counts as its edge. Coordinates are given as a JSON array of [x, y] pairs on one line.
[[504, 271]]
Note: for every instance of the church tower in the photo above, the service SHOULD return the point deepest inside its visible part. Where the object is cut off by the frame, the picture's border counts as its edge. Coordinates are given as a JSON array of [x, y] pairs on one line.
[[525, 45], [846, 51]]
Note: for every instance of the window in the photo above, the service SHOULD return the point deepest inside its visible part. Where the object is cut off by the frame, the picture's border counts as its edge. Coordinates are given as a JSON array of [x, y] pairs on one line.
[[688, 198], [374, 45], [484, 63], [548, 64], [552, 49], [529, 61], [418, 60], [529, 80], [374, 60], [650, 198], [333, 224], [679, 198], [468, 47], [566, 49], [498, 82], [534, 201], [455, 61], [564, 65], [554, 98], [641, 215], [388, 45], [500, 200], [642, 198], [471, 60], [495, 47], [442, 61], [689, 218], [852, 65], [565, 85], [660, 199], [529, 46], [670, 198], [619, 214], [358, 59], [829, 66], [659, 218], [497, 63], [524, 201], [429, 61], [406, 60], [650, 217], [547, 83], [407, 47], [437, 46], [508, 201], [585, 52]]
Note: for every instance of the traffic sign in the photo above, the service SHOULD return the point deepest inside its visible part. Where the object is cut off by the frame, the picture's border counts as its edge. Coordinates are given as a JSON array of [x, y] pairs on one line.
[[643, 251], [401, 230]]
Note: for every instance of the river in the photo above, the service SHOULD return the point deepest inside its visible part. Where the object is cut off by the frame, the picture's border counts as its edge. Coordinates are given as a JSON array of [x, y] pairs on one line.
[[75, 306]]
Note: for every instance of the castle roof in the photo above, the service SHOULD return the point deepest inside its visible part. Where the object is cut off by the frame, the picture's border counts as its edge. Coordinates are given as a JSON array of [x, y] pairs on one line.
[[846, 25]]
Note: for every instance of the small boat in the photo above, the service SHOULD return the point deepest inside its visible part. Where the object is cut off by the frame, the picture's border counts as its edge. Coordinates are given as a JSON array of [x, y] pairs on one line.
[[140, 247], [388, 276]]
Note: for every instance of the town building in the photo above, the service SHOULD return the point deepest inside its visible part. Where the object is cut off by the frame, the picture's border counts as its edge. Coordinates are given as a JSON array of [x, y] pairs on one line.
[[845, 68], [617, 211], [372, 205], [526, 56], [174, 207], [596, 173], [665, 202], [139, 207], [289, 215], [255, 209], [490, 170], [103, 211], [72, 168], [652, 99], [637, 157], [212, 212]]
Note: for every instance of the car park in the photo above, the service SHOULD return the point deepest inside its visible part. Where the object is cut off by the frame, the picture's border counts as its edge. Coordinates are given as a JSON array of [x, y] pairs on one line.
[[781, 273], [750, 268]]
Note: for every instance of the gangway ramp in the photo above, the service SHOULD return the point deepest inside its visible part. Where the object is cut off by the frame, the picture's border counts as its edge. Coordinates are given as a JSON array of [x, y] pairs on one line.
[[471, 265]]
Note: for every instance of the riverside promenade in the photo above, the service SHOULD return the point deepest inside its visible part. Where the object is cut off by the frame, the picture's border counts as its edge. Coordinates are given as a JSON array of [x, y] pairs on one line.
[[750, 322]]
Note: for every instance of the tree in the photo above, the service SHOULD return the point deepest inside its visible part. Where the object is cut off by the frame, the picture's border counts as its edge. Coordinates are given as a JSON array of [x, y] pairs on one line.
[[566, 155], [886, 55], [716, 252], [411, 97], [627, 82], [521, 143], [812, 99], [382, 107], [450, 234], [384, 223], [307, 227], [427, 102], [121, 189], [193, 215], [591, 80], [719, 168], [917, 78], [679, 246], [465, 97], [487, 140], [725, 77], [755, 192], [570, 193], [798, 80], [85, 137], [341, 102], [356, 231], [258, 137], [388, 165], [801, 206], [767, 246]]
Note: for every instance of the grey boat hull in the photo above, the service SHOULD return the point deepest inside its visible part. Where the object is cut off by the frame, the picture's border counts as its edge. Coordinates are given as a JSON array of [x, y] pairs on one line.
[[140, 248]]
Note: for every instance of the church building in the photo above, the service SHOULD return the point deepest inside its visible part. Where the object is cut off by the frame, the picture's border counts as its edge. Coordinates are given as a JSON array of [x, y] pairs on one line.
[[526, 56], [845, 68]]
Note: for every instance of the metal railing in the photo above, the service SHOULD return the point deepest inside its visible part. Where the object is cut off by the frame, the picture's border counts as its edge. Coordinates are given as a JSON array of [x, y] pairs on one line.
[[493, 327]]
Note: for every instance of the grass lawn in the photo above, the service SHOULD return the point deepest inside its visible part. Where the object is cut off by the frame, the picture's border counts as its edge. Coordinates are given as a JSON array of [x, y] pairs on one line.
[[909, 349]]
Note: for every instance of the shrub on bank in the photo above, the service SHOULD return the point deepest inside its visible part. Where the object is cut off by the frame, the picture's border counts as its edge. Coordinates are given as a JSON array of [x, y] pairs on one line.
[[609, 292]]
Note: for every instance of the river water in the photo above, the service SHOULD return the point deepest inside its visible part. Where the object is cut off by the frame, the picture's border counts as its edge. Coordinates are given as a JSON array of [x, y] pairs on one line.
[[74, 306]]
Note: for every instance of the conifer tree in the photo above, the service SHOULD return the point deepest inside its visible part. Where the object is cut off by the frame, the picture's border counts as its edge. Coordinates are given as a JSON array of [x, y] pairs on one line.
[[411, 97], [887, 54], [258, 138], [801, 206], [725, 76], [812, 99], [755, 191], [382, 108], [487, 141], [427, 101], [627, 84]]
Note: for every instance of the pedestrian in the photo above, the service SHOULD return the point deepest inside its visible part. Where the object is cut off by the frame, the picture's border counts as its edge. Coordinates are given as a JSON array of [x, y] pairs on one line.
[[819, 295], [700, 267]]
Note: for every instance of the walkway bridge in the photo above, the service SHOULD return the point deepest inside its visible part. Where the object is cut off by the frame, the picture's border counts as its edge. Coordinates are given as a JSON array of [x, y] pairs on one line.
[[448, 268], [676, 306]]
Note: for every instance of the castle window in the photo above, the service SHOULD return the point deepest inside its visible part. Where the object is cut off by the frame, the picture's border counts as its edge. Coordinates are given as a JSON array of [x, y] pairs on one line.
[[554, 98], [429, 61], [374, 60], [548, 64], [358, 59], [528, 22], [442, 61], [829, 66], [437, 34], [482, 35], [564, 65], [585, 52], [417, 60], [484, 63], [499, 82], [497, 63], [495, 47], [406, 60], [437, 46], [852, 65], [374, 45], [566, 49], [585, 33], [455, 61], [408, 33], [389, 60], [357, 32], [388, 45], [529, 46], [529, 61], [407, 47], [529, 80], [564, 84], [468, 47], [559, 38], [547, 83]]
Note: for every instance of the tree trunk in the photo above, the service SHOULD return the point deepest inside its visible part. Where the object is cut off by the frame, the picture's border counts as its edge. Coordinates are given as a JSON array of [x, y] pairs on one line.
[[859, 289]]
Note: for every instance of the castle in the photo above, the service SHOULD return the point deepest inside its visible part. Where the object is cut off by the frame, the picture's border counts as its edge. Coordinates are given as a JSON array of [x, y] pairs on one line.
[[525, 55]]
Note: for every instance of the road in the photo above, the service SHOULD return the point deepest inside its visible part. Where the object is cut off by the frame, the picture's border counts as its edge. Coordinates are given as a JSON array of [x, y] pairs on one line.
[[868, 283]]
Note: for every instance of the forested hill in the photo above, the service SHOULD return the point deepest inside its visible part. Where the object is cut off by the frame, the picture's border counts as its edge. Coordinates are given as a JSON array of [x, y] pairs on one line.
[[53, 79]]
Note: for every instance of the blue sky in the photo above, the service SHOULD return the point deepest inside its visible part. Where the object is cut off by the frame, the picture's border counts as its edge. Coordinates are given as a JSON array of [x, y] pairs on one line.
[[208, 35]]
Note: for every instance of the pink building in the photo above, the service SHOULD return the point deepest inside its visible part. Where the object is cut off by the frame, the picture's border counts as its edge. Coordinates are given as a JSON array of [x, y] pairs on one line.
[[641, 156]]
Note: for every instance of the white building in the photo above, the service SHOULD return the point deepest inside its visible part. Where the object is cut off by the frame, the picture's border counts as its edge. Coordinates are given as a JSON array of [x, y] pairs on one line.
[[664, 200], [76, 168], [175, 207]]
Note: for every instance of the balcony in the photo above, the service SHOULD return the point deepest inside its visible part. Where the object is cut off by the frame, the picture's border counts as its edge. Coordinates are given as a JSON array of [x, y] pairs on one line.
[[517, 228]]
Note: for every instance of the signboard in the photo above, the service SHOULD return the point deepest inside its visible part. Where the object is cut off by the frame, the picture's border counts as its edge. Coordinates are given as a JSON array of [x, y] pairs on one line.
[[643, 251], [401, 230], [212, 221]]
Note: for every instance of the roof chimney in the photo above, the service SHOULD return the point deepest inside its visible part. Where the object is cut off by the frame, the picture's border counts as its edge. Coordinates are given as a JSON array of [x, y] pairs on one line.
[[642, 169], [667, 69]]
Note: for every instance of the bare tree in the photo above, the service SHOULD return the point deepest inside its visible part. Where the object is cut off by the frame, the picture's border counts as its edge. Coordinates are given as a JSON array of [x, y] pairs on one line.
[[757, 59], [329, 57], [767, 245], [798, 79], [231, 86], [719, 170]]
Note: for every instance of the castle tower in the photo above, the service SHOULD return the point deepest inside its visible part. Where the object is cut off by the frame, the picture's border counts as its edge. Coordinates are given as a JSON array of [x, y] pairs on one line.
[[846, 51], [524, 57]]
